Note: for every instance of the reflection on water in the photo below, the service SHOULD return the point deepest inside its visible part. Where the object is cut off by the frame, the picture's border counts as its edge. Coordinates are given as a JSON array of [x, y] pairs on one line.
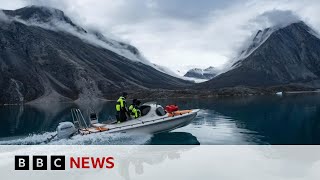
[[247, 120], [173, 138], [135, 162], [178, 162]]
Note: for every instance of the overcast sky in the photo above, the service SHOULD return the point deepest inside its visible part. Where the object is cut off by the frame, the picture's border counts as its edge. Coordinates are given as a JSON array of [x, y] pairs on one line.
[[182, 33]]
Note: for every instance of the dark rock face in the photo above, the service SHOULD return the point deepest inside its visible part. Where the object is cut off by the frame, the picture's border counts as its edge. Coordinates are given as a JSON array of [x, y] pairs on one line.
[[207, 73], [37, 63], [289, 55], [42, 14]]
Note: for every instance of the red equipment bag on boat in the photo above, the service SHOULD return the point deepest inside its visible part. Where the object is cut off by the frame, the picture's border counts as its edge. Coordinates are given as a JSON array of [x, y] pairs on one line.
[[171, 108]]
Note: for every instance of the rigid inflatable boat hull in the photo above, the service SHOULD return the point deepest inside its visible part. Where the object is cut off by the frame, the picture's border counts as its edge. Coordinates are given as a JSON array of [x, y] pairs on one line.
[[156, 126]]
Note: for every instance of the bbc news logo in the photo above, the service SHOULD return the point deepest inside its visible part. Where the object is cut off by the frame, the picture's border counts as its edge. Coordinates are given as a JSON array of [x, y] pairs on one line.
[[40, 163], [59, 162]]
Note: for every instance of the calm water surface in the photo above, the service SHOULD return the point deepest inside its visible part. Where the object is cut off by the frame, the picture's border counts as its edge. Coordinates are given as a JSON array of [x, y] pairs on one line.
[[293, 119]]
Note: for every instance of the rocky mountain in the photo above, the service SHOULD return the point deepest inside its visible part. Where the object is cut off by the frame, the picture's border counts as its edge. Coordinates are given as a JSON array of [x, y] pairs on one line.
[[276, 56], [198, 73], [44, 56]]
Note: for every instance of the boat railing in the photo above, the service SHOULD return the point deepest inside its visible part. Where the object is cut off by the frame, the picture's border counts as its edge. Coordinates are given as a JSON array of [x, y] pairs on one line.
[[78, 119]]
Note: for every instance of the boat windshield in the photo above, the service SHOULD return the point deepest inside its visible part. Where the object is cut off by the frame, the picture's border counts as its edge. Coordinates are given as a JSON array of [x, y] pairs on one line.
[[144, 110], [160, 111]]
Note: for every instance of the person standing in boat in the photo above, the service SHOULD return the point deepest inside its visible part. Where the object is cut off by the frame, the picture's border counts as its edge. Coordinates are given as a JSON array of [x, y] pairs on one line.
[[121, 108]]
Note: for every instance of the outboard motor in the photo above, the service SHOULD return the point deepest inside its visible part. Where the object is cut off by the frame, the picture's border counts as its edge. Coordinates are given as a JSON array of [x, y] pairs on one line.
[[93, 118], [66, 130]]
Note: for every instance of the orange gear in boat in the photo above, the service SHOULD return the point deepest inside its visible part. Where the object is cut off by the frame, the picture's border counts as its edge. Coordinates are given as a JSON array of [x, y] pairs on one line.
[[177, 113], [171, 108], [101, 129]]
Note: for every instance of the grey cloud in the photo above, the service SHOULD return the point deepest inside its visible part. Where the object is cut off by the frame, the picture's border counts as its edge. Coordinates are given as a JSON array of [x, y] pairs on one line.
[[135, 11], [52, 3], [277, 17], [178, 33], [186, 9]]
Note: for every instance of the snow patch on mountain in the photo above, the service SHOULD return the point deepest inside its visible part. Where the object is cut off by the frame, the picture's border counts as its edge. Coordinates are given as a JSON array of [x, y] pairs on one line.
[[199, 73], [195, 80], [3, 17]]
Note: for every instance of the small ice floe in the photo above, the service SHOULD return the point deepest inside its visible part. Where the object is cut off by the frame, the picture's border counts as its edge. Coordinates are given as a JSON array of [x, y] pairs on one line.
[[279, 93]]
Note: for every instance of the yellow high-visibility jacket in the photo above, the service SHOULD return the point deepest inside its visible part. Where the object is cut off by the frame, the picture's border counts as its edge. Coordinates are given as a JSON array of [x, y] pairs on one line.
[[121, 104], [134, 111]]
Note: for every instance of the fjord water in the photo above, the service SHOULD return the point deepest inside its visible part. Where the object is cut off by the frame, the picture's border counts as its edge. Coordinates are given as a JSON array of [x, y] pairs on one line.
[[291, 119]]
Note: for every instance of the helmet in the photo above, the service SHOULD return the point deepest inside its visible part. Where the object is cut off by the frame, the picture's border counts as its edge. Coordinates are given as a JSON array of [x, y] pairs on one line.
[[124, 94]]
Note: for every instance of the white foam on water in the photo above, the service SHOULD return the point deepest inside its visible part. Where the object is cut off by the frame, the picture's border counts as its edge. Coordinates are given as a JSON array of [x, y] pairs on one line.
[[103, 138], [32, 139]]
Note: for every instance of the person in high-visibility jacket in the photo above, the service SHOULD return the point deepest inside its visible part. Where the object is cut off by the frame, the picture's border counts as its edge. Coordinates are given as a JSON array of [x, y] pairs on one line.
[[132, 106], [121, 108], [135, 111]]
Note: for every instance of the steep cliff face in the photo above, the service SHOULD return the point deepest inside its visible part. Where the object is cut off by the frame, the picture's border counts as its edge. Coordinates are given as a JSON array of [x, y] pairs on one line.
[[286, 55], [40, 61]]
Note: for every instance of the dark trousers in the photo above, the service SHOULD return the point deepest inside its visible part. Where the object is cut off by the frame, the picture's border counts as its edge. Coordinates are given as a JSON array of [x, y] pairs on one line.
[[121, 116]]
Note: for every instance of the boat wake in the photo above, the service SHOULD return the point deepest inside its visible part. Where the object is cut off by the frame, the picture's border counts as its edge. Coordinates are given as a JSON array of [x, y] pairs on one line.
[[92, 139]]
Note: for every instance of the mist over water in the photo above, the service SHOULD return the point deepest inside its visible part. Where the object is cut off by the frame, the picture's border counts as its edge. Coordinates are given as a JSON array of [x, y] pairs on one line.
[[292, 119]]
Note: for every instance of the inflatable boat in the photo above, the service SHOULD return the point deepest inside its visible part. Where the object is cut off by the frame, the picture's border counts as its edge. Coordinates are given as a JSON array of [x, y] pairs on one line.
[[154, 119]]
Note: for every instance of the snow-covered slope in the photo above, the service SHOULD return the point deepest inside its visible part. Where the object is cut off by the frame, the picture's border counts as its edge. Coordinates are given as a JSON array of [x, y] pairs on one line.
[[199, 73]]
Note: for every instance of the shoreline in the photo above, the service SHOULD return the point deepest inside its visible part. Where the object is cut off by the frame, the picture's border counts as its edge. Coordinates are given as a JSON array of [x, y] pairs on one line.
[[301, 92], [189, 95]]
